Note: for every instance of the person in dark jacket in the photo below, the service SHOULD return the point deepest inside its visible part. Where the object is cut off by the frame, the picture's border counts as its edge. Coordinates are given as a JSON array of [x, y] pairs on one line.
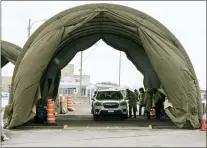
[[136, 92], [158, 100]]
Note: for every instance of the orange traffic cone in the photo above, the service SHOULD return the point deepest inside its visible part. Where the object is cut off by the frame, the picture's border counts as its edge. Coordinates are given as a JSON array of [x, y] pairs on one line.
[[203, 125], [50, 112], [69, 103]]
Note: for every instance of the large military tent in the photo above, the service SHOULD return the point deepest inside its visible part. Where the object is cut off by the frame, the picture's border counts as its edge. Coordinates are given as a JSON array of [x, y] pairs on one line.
[[152, 48], [9, 53]]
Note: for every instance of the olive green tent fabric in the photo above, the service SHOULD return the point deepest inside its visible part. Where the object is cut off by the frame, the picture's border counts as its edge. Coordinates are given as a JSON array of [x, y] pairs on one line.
[[155, 52], [9, 53]]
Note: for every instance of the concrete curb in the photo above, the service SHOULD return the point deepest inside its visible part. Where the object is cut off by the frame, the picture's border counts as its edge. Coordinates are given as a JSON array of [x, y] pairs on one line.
[[85, 128], [38, 127], [101, 127], [165, 127], [108, 128], [66, 127], [171, 127], [79, 103]]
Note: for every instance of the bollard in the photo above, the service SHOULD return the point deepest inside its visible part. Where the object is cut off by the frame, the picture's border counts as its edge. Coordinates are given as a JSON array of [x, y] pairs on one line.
[[61, 99], [61, 104], [50, 111]]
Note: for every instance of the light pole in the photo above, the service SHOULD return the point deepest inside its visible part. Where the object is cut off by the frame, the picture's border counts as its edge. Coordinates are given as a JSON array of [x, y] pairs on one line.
[[29, 28], [81, 66], [30, 25], [119, 68]]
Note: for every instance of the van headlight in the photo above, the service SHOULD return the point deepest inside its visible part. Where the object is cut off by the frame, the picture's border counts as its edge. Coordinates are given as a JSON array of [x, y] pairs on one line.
[[98, 104], [123, 104]]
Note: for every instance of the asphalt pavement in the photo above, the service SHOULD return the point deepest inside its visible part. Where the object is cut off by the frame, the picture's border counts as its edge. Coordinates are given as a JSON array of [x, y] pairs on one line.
[[105, 138], [82, 117], [78, 129]]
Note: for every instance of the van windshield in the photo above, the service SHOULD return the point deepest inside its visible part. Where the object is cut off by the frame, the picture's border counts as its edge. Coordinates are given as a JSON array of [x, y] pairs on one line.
[[109, 95]]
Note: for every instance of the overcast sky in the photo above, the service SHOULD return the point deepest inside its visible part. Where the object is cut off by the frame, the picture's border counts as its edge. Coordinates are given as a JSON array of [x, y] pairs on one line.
[[186, 20]]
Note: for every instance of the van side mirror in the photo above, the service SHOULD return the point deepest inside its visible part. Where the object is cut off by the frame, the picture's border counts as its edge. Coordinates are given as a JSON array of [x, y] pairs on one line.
[[92, 99]]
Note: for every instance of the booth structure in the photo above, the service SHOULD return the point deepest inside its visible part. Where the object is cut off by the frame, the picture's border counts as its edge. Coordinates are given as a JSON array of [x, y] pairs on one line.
[[148, 44]]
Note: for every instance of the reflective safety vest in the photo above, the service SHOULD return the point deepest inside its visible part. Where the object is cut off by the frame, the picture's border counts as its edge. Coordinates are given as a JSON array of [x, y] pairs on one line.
[[141, 98]]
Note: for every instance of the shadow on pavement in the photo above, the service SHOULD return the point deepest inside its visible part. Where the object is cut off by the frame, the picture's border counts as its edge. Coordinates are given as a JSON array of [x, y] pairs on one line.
[[88, 121]]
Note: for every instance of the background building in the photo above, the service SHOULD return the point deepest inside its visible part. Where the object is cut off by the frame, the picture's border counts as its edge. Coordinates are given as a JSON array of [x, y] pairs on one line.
[[6, 83], [68, 71], [70, 83]]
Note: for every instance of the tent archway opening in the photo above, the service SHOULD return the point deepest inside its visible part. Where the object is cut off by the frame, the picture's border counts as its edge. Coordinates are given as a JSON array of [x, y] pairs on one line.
[[102, 27], [62, 58]]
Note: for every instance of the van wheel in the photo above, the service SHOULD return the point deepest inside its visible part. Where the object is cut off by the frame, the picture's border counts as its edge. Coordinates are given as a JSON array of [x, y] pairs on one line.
[[125, 116]]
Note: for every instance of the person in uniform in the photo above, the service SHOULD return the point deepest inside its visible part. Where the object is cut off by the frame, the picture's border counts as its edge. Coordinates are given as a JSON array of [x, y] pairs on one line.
[[136, 92], [158, 100], [93, 101], [141, 100], [132, 103], [148, 102]]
